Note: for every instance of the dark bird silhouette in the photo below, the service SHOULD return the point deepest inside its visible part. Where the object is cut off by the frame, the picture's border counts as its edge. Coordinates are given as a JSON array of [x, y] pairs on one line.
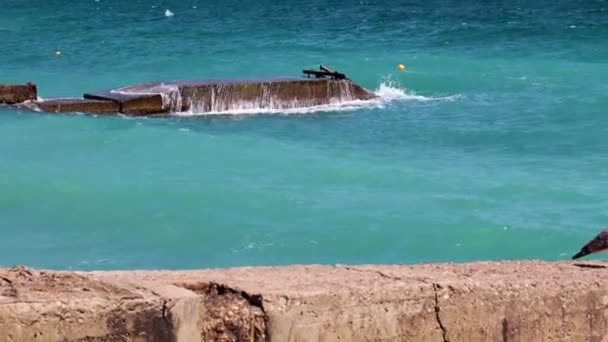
[[599, 244]]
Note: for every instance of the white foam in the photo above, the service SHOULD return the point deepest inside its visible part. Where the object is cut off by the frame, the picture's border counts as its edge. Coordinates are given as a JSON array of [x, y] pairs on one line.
[[170, 94], [391, 90], [168, 13], [333, 107], [31, 105], [388, 92]]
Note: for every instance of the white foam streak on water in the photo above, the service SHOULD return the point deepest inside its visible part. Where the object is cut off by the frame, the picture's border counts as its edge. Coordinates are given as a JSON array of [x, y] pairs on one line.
[[387, 93]]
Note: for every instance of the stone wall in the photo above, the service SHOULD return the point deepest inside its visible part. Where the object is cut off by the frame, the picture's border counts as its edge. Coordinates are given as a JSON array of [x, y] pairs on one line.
[[486, 301]]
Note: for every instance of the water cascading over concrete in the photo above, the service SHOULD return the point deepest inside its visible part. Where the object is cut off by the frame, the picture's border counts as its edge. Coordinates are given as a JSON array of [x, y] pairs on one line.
[[323, 88], [231, 95]]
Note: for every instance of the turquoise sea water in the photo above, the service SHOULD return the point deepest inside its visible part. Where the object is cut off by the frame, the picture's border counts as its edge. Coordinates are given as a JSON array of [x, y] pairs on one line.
[[492, 145]]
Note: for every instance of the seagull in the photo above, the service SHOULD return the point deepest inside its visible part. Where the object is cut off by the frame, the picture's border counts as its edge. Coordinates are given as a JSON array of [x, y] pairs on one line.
[[599, 244]]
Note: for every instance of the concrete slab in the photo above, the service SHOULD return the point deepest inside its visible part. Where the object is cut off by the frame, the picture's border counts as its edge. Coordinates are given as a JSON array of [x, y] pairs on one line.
[[132, 104], [76, 105]]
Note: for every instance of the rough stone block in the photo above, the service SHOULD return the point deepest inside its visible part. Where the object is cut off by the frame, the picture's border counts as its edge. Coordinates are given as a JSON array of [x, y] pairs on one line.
[[17, 93]]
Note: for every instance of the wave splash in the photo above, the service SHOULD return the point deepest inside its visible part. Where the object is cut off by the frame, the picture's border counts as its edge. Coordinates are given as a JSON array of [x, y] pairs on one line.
[[388, 92], [391, 90]]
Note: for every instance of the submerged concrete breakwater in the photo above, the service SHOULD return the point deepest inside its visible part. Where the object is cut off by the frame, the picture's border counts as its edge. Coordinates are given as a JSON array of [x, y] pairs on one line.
[[197, 96], [485, 301]]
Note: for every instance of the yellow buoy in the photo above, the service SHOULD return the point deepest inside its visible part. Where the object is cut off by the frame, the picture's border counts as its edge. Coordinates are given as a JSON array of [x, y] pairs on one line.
[[401, 67]]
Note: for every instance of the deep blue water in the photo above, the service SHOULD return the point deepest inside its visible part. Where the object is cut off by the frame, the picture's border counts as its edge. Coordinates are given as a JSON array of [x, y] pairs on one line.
[[491, 145]]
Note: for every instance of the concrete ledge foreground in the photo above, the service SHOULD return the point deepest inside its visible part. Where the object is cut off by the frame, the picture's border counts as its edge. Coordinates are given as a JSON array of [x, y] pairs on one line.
[[485, 301]]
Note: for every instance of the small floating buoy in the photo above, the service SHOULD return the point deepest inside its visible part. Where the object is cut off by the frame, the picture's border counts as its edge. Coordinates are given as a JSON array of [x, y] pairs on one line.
[[168, 13], [401, 67]]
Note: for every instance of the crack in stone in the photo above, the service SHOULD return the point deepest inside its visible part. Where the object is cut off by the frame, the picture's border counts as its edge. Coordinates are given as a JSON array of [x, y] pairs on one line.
[[386, 276], [443, 330], [436, 287], [380, 273], [383, 275], [164, 313]]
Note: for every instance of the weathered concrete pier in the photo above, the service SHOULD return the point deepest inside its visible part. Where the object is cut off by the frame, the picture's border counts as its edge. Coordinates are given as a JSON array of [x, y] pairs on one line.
[[483, 301], [161, 98]]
